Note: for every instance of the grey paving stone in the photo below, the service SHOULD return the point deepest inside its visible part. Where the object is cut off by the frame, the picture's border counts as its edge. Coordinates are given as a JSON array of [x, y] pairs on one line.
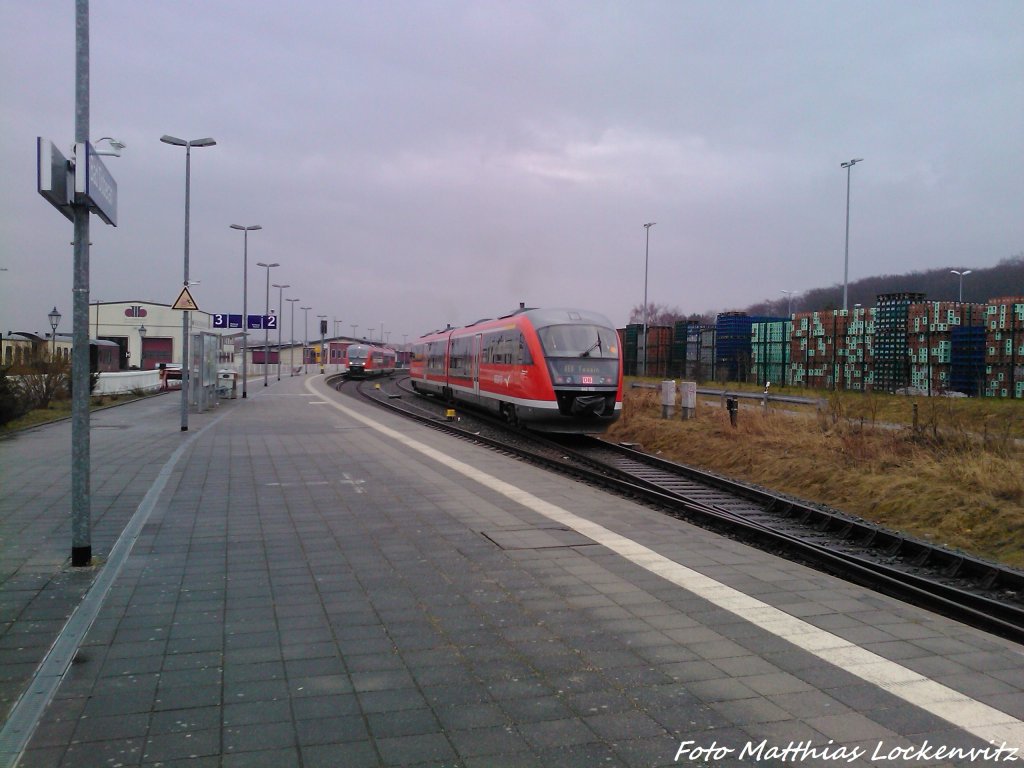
[[410, 750], [309, 623]]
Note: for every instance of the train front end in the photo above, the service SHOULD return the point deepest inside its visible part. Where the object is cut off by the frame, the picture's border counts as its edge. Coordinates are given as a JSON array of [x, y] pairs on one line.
[[584, 362], [357, 360]]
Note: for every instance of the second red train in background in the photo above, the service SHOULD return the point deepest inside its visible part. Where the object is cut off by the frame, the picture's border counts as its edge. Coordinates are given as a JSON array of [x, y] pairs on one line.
[[366, 360]]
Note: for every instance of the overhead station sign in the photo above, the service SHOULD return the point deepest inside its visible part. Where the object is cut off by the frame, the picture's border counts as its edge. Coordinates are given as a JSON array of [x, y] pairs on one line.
[[253, 322], [94, 186], [83, 181], [55, 179], [262, 322], [227, 321]]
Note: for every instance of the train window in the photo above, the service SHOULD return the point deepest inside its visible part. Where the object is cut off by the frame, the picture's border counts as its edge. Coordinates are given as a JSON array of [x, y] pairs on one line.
[[525, 358], [460, 357], [579, 341], [505, 348], [435, 357]]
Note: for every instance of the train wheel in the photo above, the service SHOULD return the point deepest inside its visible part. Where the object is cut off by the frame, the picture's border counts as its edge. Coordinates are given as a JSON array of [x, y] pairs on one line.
[[509, 411]]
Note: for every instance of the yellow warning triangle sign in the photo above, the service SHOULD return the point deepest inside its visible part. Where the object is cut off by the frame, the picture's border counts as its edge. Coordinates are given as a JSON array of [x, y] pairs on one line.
[[185, 301]]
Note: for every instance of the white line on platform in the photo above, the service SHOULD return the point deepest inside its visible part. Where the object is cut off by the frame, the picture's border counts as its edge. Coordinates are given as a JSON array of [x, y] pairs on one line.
[[962, 711]]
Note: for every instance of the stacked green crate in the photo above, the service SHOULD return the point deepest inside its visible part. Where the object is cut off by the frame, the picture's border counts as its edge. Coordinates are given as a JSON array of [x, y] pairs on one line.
[[630, 339], [891, 368], [770, 344], [1004, 359]]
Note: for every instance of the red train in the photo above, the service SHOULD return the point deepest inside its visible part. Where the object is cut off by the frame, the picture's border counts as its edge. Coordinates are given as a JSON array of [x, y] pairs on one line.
[[366, 360], [553, 370]]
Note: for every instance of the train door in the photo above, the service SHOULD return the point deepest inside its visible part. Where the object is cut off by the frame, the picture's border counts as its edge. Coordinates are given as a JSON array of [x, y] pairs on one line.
[[477, 344]]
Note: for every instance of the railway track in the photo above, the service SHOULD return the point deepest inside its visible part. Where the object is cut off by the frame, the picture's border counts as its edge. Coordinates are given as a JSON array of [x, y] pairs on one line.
[[954, 584]]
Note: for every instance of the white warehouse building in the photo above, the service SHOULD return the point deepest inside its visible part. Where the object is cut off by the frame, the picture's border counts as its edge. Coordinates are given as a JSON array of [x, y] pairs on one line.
[[148, 333]]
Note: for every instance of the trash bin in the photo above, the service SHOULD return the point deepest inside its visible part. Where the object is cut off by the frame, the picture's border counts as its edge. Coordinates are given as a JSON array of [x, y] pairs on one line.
[[227, 385]]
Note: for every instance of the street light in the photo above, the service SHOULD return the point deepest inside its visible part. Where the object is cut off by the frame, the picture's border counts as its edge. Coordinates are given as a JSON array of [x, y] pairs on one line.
[[266, 331], [142, 339], [961, 274], [353, 326], [647, 251], [207, 142], [305, 339], [337, 322], [115, 147], [280, 306], [323, 333], [245, 301], [789, 294], [846, 257], [54, 318], [291, 345]]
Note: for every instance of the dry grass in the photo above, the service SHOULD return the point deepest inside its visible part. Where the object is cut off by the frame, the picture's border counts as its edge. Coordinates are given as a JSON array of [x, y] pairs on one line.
[[61, 409], [951, 481]]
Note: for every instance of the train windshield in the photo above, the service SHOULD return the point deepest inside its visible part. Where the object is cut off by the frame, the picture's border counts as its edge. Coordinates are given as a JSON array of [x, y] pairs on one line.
[[581, 356], [357, 353], [579, 341]]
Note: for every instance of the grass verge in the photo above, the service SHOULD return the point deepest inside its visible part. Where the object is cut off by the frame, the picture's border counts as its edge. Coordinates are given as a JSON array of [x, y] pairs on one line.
[[955, 480], [61, 409]]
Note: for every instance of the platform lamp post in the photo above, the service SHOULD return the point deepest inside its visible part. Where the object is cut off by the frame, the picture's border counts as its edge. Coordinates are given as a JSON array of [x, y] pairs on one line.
[[142, 340], [305, 339], [846, 256], [291, 344], [353, 326], [961, 275], [323, 342], [245, 302], [207, 142], [266, 331], [337, 322], [280, 320], [647, 251], [54, 318]]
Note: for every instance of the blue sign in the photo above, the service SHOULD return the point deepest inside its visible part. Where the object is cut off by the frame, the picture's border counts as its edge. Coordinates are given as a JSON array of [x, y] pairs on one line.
[[227, 321], [260, 322]]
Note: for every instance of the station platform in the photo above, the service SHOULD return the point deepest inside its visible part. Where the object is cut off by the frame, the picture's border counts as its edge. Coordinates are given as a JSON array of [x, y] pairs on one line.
[[304, 580]]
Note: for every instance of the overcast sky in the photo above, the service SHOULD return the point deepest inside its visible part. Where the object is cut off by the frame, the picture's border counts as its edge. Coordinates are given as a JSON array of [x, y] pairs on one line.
[[423, 163]]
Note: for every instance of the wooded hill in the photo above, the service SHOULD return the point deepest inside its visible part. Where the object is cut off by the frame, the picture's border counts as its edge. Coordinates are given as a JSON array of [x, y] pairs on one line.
[[1004, 279]]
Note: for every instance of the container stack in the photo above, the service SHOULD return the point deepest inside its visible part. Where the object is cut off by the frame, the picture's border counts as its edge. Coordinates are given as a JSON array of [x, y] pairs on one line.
[[732, 346], [770, 351], [967, 360], [858, 350], [733, 354], [1004, 340], [892, 362], [628, 337], [817, 348], [930, 326], [685, 350], [659, 350], [707, 353]]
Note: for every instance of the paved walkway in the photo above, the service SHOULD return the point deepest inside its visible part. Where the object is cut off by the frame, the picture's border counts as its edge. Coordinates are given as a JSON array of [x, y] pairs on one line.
[[312, 585]]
